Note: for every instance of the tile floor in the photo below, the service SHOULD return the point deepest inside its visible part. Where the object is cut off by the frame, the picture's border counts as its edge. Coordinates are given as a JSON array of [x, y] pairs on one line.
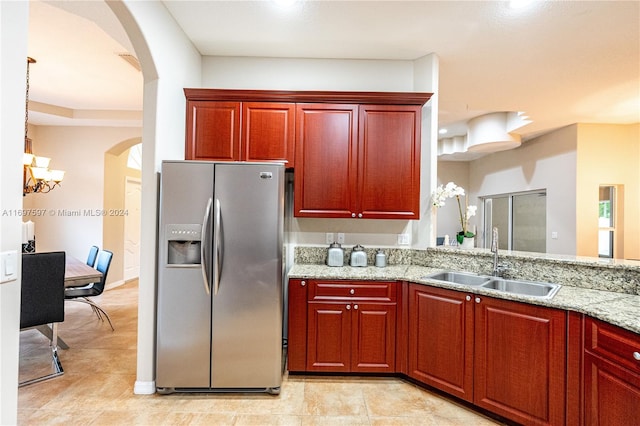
[[100, 371]]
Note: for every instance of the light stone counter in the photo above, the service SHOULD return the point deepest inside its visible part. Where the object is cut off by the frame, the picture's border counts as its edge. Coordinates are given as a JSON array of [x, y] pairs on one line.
[[621, 309]]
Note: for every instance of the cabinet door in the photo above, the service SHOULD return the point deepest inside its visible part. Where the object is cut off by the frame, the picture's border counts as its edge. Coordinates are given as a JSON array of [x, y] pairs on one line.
[[329, 336], [611, 393], [441, 339], [268, 132], [520, 355], [213, 131], [389, 161], [373, 344], [326, 160], [297, 325]]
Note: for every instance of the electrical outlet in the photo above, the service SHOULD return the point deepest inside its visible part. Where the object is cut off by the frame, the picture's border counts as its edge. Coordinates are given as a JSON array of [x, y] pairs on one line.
[[341, 237], [554, 235], [404, 239], [328, 238]]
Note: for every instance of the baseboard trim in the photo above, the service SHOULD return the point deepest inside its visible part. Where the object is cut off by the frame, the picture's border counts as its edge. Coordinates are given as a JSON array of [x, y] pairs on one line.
[[144, 388], [114, 284]]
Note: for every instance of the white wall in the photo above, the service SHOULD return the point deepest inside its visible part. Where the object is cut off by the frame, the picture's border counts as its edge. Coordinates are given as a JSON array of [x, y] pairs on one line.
[[72, 221], [547, 162], [448, 216], [14, 18], [169, 63]]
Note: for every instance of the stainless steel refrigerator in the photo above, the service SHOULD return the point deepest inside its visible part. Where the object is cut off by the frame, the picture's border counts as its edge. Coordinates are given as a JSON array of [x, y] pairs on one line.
[[220, 277]]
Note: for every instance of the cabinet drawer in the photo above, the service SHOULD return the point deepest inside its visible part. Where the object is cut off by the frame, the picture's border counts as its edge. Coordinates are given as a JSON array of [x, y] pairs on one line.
[[379, 291], [613, 343]]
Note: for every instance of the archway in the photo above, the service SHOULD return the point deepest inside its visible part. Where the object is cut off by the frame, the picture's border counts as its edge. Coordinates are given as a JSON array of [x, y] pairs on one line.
[[121, 229]]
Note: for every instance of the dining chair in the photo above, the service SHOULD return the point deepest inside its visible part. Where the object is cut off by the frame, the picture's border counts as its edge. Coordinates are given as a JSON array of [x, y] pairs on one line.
[[83, 294], [93, 255], [42, 300]]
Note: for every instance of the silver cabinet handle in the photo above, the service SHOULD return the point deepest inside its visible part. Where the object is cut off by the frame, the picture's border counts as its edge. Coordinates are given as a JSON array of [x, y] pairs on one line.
[[636, 356], [352, 291], [353, 215], [468, 298], [348, 307], [359, 214], [477, 300], [355, 307], [303, 283]]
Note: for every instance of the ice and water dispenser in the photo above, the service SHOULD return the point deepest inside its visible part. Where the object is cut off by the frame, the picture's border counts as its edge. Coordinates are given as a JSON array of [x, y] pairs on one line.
[[183, 244]]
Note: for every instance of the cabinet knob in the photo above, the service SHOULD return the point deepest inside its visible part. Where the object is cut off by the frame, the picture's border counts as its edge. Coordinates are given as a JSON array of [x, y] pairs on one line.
[[352, 291], [303, 283], [468, 298], [348, 307], [636, 356], [353, 215], [359, 214], [477, 300], [355, 307]]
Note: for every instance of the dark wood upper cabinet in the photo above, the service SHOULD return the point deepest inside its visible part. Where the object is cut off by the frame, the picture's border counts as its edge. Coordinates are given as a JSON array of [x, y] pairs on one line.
[[213, 131], [358, 161], [355, 154], [389, 161], [326, 159], [268, 132]]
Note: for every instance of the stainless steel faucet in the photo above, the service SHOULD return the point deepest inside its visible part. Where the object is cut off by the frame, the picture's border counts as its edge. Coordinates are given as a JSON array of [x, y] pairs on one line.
[[494, 250]]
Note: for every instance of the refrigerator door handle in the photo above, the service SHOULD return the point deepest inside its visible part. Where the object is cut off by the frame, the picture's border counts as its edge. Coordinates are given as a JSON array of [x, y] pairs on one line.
[[203, 247], [217, 247]]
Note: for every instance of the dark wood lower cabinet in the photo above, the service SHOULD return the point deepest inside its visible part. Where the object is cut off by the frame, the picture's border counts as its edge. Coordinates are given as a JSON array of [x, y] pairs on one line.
[[520, 361], [328, 337], [612, 393], [506, 357], [351, 337], [441, 339], [611, 375]]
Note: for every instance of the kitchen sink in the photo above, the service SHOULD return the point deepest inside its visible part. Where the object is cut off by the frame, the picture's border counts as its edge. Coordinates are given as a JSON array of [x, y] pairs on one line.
[[465, 278], [525, 288]]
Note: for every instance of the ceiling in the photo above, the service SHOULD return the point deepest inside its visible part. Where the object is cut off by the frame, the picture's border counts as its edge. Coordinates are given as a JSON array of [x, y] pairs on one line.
[[559, 62]]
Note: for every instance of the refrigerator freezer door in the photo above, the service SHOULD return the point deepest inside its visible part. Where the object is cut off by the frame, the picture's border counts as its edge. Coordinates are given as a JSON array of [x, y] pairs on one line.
[[247, 309], [183, 332]]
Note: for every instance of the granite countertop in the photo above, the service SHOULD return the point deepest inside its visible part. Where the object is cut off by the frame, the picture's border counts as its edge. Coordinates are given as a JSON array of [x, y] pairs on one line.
[[616, 308]]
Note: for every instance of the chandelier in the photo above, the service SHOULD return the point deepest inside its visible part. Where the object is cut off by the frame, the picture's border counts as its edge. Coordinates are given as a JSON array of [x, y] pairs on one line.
[[36, 174]]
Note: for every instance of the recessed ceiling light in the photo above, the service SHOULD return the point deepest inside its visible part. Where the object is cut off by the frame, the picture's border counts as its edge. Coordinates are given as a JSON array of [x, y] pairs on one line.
[[520, 4], [442, 131], [284, 3]]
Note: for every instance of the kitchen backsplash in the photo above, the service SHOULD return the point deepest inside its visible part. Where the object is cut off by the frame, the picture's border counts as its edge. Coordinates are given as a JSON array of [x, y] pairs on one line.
[[593, 273]]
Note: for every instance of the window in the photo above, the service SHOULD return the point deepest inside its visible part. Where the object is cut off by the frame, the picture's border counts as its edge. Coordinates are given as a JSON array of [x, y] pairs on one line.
[[134, 161], [521, 219], [606, 221]]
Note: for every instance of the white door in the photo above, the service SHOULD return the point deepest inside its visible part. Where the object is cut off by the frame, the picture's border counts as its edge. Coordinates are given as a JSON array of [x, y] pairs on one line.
[[132, 199]]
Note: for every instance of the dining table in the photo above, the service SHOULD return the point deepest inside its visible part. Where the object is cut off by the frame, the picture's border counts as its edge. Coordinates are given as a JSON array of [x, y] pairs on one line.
[[76, 274]]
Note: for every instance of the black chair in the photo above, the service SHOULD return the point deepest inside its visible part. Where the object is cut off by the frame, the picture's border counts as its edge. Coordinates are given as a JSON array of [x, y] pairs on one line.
[[42, 300], [93, 255], [82, 294]]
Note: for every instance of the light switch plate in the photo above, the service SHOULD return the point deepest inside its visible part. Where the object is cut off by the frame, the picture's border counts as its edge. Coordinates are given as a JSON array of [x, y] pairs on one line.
[[328, 238], [8, 266], [341, 237], [404, 239]]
